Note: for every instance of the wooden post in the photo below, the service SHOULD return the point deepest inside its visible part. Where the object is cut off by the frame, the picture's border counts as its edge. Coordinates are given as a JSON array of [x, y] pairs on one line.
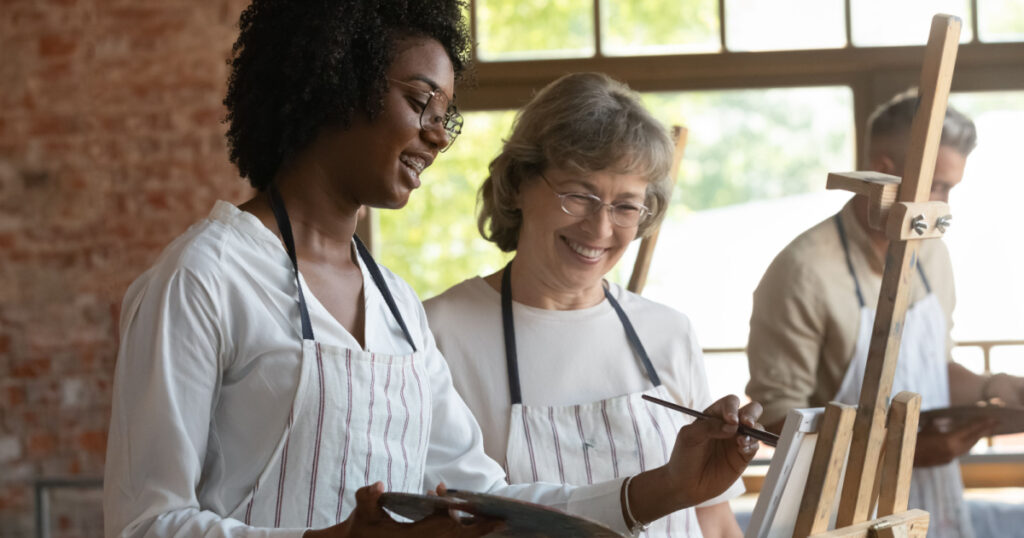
[[909, 524], [901, 437], [826, 470], [900, 263], [642, 265]]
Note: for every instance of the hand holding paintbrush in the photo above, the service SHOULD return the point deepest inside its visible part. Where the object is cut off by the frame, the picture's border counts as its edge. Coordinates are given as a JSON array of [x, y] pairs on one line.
[[767, 438]]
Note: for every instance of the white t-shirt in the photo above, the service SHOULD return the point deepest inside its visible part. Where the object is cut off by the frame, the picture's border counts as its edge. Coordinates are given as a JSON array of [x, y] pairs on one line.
[[207, 369], [565, 357]]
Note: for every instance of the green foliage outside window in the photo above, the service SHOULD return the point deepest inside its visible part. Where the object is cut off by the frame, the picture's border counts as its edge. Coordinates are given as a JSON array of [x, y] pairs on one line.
[[747, 145], [433, 243], [659, 27], [744, 145], [530, 29]]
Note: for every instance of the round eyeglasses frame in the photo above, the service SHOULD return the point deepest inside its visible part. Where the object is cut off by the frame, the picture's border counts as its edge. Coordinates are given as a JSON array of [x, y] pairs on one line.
[[431, 117], [592, 204]]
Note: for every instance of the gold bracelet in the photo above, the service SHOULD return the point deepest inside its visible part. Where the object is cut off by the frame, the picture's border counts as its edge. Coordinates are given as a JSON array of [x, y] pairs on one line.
[[635, 527]]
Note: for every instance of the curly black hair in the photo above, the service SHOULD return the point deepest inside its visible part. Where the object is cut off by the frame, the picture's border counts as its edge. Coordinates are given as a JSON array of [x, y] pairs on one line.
[[298, 66]]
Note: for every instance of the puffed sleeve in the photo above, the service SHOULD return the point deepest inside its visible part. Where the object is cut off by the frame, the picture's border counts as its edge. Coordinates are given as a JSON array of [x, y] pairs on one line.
[[166, 380]]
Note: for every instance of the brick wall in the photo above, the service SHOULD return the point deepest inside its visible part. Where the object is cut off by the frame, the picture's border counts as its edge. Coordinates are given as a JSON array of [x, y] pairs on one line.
[[110, 145]]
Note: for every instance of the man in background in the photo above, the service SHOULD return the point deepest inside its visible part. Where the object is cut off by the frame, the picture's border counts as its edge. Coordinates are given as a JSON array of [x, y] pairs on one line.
[[814, 311]]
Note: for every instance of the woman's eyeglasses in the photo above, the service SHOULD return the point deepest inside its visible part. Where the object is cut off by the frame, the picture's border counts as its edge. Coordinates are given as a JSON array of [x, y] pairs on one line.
[[582, 204], [437, 111]]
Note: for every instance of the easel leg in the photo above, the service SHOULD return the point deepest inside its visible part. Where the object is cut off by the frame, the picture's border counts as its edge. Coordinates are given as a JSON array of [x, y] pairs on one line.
[[826, 469], [900, 441]]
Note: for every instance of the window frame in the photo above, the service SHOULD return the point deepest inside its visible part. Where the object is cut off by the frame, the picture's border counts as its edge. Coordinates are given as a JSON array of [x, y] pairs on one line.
[[874, 74]]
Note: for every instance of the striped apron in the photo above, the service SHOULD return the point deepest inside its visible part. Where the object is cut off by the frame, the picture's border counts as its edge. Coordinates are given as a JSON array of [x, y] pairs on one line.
[[922, 369], [596, 441], [357, 418]]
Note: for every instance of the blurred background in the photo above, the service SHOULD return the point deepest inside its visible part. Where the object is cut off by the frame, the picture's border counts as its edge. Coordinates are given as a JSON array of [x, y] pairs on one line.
[[111, 144]]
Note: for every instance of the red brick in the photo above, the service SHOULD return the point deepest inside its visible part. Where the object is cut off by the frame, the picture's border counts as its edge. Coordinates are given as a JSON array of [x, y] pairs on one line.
[[30, 368], [93, 441], [41, 444], [14, 396], [57, 45]]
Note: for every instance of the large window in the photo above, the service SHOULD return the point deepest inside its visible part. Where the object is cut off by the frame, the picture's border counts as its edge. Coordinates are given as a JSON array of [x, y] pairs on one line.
[[776, 95], [540, 29]]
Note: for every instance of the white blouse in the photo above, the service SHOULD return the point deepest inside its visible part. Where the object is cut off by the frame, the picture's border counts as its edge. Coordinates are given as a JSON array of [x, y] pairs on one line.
[[206, 371]]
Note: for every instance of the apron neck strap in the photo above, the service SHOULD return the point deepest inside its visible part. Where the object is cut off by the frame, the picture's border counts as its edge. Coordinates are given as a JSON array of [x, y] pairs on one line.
[[511, 358], [378, 279], [849, 262], [285, 227]]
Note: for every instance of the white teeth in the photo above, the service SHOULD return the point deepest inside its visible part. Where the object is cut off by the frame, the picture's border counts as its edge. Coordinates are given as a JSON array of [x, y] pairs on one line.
[[415, 163], [582, 250]]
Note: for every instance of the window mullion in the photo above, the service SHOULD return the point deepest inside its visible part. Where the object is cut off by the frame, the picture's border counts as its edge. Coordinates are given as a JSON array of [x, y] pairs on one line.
[[974, 37], [721, 24], [597, 29], [473, 31], [849, 22]]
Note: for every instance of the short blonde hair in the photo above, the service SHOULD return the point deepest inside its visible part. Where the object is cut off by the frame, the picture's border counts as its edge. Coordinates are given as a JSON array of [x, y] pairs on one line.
[[583, 122]]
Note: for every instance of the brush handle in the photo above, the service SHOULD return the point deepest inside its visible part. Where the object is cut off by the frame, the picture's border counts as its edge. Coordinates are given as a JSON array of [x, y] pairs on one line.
[[767, 438]]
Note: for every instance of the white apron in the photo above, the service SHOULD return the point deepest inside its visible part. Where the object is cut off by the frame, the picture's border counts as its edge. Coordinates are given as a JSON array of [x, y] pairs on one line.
[[357, 418], [922, 369], [592, 442]]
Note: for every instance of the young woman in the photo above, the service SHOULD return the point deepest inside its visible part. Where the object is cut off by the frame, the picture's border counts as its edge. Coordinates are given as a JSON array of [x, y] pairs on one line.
[[272, 380]]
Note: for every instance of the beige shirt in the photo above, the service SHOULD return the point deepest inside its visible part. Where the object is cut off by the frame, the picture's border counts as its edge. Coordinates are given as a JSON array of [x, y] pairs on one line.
[[806, 315]]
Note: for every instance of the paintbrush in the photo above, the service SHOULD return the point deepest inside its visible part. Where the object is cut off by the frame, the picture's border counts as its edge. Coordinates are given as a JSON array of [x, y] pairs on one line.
[[767, 438]]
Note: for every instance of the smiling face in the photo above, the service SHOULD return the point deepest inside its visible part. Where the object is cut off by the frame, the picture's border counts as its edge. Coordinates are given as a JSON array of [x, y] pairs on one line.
[[377, 162], [568, 254]]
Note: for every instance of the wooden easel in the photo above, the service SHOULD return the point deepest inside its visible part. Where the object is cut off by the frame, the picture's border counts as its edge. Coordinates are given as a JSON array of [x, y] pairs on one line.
[[642, 265], [873, 428]]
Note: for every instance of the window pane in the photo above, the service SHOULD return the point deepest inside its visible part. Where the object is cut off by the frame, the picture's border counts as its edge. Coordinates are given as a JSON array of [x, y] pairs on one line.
[[530, 29], [753, 177], [433, 242], [989, 288], [784, 24], [1001, 20], [907, 22], [659, 27]]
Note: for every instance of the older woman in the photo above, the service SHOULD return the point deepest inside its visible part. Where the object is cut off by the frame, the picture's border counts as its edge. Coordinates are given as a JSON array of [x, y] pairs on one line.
[[255, 399], [551, 358]]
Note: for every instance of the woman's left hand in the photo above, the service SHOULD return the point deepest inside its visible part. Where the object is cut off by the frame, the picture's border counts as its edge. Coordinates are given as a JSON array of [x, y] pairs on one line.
[[708, 457]]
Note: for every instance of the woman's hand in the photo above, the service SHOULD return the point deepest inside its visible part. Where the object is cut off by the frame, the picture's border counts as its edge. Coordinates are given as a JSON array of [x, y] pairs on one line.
[[708, 457], [369, 520]]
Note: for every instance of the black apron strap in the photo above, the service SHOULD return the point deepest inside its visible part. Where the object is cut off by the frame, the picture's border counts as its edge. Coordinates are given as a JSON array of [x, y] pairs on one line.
[[285, 227], [849, 261], [924, 279], [378, 279], [634, 339], [511, 358]]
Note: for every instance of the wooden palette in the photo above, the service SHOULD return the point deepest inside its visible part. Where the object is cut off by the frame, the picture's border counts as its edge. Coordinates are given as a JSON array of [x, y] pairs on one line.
[[1011, 419], [522, 519]]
